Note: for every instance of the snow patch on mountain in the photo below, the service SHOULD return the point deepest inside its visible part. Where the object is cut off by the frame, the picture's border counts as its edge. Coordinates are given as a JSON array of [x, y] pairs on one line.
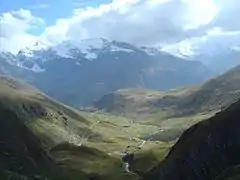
[[91, 44], [29, 51], [91, 56], [181, 50], [78, 63], [62, 50], [115, 48], [151, 51], [86, 47], [36, 68]]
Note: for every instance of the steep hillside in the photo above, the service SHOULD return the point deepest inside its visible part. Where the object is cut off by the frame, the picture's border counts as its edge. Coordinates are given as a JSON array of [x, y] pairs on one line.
[[141, 101], [21, 150], [41, 133], [215, 94], [30, 124], [127, 100], [47, 118], [208, 150], [86, 70]]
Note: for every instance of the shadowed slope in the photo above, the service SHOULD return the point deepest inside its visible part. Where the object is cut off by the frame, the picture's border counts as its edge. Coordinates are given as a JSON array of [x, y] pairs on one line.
[[205, 150], [21, 150]]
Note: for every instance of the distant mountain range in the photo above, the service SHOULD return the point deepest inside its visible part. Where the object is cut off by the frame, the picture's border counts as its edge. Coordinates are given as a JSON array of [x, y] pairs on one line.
[[77, 73]]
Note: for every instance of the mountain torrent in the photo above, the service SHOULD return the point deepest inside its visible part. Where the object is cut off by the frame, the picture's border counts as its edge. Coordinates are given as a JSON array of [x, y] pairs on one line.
[[205, 150]]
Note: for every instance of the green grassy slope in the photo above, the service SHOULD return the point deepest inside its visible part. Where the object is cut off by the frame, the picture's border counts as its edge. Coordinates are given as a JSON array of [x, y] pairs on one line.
[[180, 106], [45, 117], [215, 94], [141, 105], [30, 124], [153, 108], [82, 144]]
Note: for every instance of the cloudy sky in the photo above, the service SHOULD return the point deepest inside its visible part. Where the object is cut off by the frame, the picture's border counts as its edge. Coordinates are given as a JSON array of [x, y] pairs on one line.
[[175, 25]]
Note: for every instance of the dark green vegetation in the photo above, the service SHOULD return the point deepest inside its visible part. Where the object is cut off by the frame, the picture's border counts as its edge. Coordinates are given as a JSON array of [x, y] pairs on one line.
[[208, 150], [41, 137]]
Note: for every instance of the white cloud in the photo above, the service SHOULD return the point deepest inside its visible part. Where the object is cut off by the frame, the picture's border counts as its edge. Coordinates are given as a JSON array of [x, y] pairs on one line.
[[14, 27], [215, 41], [229, 12], [180, 23], [136, 21], [27, 17], [222, 33]]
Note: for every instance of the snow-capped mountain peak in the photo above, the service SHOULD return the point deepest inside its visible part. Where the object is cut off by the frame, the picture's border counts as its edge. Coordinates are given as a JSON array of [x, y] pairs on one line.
[[34, 57], [86, 47], [29, 51], [151, 51], [40, 55]]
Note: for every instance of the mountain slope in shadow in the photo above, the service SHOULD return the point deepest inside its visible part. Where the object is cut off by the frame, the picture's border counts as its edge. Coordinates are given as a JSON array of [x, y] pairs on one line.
[[205, 150], [20, 149]]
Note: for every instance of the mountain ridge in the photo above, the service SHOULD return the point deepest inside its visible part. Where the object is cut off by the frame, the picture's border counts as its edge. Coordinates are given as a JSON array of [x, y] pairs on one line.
[[127, 66], [24, 155], [215, 94]]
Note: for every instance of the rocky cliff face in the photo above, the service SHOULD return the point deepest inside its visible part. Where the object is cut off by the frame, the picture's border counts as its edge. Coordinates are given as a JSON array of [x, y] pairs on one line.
[[205, 150]]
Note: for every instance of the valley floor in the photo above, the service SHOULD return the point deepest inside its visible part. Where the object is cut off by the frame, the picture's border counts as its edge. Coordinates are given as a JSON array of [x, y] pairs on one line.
[[149, 142]]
